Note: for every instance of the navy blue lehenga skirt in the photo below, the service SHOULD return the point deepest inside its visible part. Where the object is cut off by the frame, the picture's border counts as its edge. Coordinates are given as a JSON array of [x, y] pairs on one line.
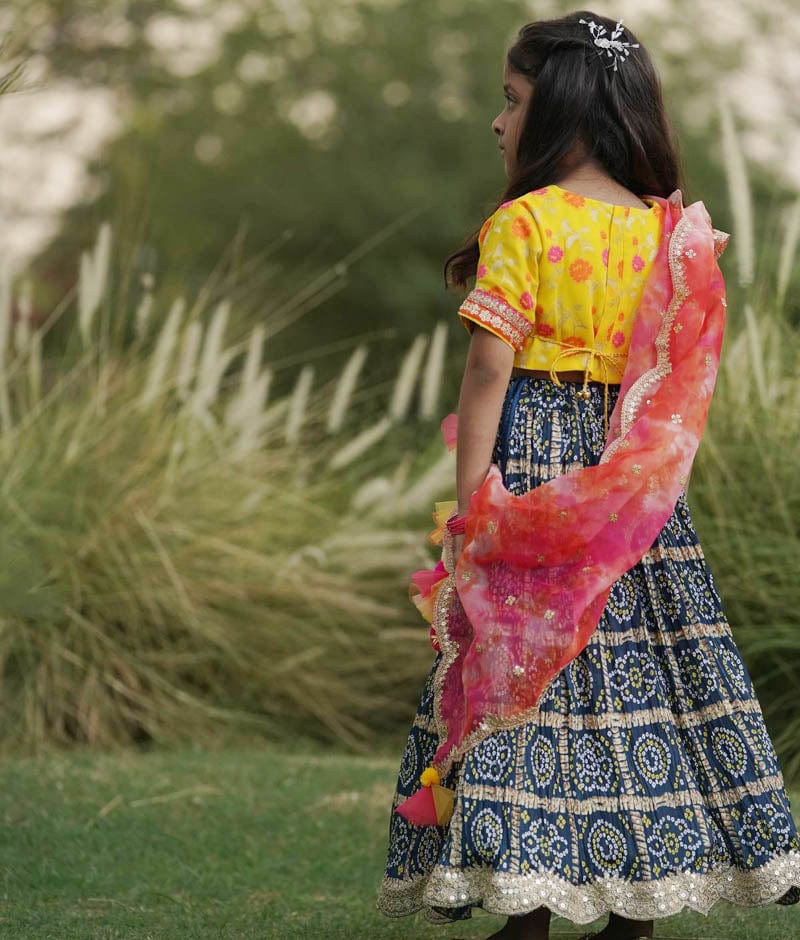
[[648, 781]]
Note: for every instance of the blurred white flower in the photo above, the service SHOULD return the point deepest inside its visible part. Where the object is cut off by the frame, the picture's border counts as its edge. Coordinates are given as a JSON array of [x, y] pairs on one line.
[[229, 16], [187, 45], [313, 113], [228, 98], [47, 138], [255, 67], [341, 25], [450, 102], [208, 148], [295, 13], [453, 44], [396, 93]]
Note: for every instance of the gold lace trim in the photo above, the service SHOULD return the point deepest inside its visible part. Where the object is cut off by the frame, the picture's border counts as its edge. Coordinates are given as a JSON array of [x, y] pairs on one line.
[[490, 310], [721, 240], [505, 893], [663, 366], [690, 797], [449, 650], [635, 719], [673, 553]]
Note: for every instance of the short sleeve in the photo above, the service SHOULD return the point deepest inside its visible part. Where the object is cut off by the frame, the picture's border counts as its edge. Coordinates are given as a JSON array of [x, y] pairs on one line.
[[503, 300]]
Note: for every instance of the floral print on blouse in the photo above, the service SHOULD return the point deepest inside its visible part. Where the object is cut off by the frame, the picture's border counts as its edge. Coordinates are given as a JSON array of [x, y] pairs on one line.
[[560, 277]]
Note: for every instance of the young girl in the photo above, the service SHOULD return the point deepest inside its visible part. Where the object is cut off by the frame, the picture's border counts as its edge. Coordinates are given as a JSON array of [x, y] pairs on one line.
[[588, 740]]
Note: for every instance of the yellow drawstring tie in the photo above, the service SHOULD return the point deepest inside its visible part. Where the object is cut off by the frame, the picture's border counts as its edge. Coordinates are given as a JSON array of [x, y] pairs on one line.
[[604, 358]]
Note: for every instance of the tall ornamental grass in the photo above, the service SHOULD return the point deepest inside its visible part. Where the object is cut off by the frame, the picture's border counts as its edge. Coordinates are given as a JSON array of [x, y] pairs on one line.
[[183, 556], [745, 491], [745, 486]]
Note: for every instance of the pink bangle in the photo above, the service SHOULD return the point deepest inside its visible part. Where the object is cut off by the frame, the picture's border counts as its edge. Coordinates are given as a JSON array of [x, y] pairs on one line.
[[457, 525]]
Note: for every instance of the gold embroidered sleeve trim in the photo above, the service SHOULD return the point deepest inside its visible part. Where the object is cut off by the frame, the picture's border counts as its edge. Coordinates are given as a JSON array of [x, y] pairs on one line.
[[489, 310]]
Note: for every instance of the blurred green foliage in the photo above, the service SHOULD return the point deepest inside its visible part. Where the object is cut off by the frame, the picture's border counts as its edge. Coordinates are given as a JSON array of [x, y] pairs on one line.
[[310, 135]]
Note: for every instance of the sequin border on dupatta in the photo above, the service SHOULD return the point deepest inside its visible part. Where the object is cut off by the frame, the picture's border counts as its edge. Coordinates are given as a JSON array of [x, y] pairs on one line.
[[680, 293]]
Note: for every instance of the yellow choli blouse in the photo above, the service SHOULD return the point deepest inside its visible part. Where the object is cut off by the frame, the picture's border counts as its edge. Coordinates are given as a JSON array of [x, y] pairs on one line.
[[560, 277]]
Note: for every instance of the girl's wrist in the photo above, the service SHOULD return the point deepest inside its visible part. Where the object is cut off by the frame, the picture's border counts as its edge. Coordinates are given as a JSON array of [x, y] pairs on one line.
[[462, 510]]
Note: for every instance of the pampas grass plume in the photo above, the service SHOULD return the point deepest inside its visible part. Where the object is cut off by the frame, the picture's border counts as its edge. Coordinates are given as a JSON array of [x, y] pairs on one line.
[[187, 361], [345, 388], [5, 308], [298, 404], [162, 355], [433, 373], [406, 379], [741, 198], [213, 362], [22, 334], [788, 250], [92, 281], [360, 444]]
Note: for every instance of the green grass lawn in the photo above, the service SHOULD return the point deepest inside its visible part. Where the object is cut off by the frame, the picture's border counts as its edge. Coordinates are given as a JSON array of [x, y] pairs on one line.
[[238, 843]]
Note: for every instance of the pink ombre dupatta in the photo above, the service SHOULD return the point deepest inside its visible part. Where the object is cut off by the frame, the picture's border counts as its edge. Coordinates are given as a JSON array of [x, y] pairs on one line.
[[536, 570]]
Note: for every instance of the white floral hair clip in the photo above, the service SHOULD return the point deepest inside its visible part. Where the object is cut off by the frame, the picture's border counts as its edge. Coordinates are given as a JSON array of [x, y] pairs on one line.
[[614, 47]]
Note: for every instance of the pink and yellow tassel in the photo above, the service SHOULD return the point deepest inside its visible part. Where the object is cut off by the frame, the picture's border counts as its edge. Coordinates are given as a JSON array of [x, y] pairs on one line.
[[432, 804]]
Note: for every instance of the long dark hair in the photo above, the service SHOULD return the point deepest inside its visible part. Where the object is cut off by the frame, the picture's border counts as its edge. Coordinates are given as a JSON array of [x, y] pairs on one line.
[[577, 96]]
